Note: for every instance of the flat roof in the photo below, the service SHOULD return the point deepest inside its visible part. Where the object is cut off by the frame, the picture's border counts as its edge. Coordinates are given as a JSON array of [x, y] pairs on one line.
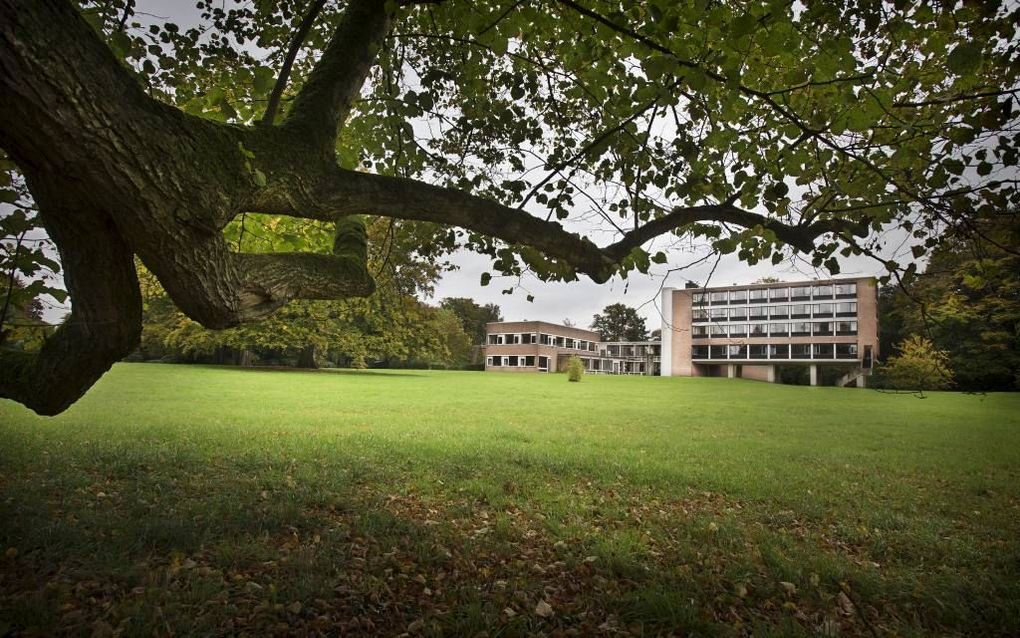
[[776, 284]]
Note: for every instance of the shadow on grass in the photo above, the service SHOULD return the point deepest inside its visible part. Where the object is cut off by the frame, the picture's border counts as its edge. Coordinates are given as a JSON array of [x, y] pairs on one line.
[[378, 373]]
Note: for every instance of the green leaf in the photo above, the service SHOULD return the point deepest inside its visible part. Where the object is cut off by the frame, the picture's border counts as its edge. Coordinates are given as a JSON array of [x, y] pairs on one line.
[[264, 79], [965, 59], [743, 25], [260, 178], [486, 278]]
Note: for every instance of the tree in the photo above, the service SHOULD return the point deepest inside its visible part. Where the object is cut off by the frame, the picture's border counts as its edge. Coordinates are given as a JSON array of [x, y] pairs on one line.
[[919, 366], [763, 128], [619, 322], [575, 369], [968, 303], [472, 316]]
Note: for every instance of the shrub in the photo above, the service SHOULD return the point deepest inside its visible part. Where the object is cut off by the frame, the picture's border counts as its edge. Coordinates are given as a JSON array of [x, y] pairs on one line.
[[575, 369], [919, 366]]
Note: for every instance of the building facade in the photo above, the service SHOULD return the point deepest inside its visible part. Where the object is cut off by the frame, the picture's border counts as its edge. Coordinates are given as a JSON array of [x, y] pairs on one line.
[[747, 331], [539, 346]]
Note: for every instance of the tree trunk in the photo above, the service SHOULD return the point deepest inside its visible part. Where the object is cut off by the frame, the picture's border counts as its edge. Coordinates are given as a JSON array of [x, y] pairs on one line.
[[307, 358]]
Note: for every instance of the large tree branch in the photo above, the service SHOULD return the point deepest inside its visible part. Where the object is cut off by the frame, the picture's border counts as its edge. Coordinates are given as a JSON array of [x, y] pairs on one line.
[[333, 85], [105, 324], [343, 192], [288, 61]]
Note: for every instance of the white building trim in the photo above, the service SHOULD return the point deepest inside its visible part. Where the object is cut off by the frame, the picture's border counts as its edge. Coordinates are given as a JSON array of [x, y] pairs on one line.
[[666, 333]]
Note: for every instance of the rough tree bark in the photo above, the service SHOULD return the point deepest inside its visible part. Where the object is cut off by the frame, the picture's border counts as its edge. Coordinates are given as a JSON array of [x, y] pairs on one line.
[[116, 174]]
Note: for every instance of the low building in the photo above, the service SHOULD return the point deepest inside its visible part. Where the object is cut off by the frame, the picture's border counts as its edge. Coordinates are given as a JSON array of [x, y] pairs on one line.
[[540, 346], [747, 331]]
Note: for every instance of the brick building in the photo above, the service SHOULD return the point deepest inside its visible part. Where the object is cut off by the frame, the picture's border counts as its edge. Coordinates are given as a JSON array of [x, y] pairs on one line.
[[747, 331]]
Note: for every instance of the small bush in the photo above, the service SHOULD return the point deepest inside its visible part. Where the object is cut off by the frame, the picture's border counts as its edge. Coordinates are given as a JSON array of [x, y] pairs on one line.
[[575, 369], [919, 366]]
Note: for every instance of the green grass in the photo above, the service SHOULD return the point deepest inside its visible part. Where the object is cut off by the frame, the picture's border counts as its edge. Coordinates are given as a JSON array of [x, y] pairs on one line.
[[199, 500]]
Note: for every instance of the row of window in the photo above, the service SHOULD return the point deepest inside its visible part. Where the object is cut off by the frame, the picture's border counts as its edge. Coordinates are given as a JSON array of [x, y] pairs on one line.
[[513, 338], [797, 329], [779, 351], [796, 311], [514, 361], [784, 293]]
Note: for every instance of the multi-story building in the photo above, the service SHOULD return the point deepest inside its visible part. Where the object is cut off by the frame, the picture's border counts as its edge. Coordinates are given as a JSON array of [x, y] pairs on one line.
[[746, 331], [539, 346]]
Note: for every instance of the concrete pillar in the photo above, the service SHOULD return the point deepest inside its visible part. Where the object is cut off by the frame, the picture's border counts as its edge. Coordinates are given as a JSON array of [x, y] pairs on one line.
[[814, 374], [770, 376], [731, 371], [860, 381]]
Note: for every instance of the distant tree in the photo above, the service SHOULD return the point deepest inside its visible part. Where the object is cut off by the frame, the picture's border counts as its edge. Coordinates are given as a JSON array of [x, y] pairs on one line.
[[919, 366], [768, 280], [472, 315], [619, 322], [968, 303], [455, 341], [655, 335], [568, 322]]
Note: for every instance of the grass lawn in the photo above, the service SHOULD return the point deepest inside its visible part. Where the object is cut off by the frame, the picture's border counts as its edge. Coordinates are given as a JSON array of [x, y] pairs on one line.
[[198, 500]]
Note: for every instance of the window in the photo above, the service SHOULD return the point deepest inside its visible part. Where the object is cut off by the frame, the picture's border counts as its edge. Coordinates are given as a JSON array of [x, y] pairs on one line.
[[512, 339], [846, 350], [822, 292], [492, 361], [779, 294], [699, 352], [700, 332], [800, 351], [568, 343], [738, 314], [718, 314], [821, 351], [717, 331], [800, 329], [846, 328], [738, 330], [779, 329], [758, 312], [738, 296], [512, 361], [759, 295], [582, 345], [699, 315], [737, 352], [495, 340], [823, 310], [778, 312], [800, 311], [558, 342], [591, 346], [759, 330], [779, 351], [757, 352], [543, 364], [846, 309], [822, 329], [699, 299], [719, 297], [846, 290], [544, 339], [526, 338], [529, 361], [800, 293], [717, 352]]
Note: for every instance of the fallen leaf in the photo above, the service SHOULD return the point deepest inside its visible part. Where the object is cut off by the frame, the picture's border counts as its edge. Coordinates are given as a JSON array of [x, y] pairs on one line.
[[845, 604], [543, 609], [788, 587]]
